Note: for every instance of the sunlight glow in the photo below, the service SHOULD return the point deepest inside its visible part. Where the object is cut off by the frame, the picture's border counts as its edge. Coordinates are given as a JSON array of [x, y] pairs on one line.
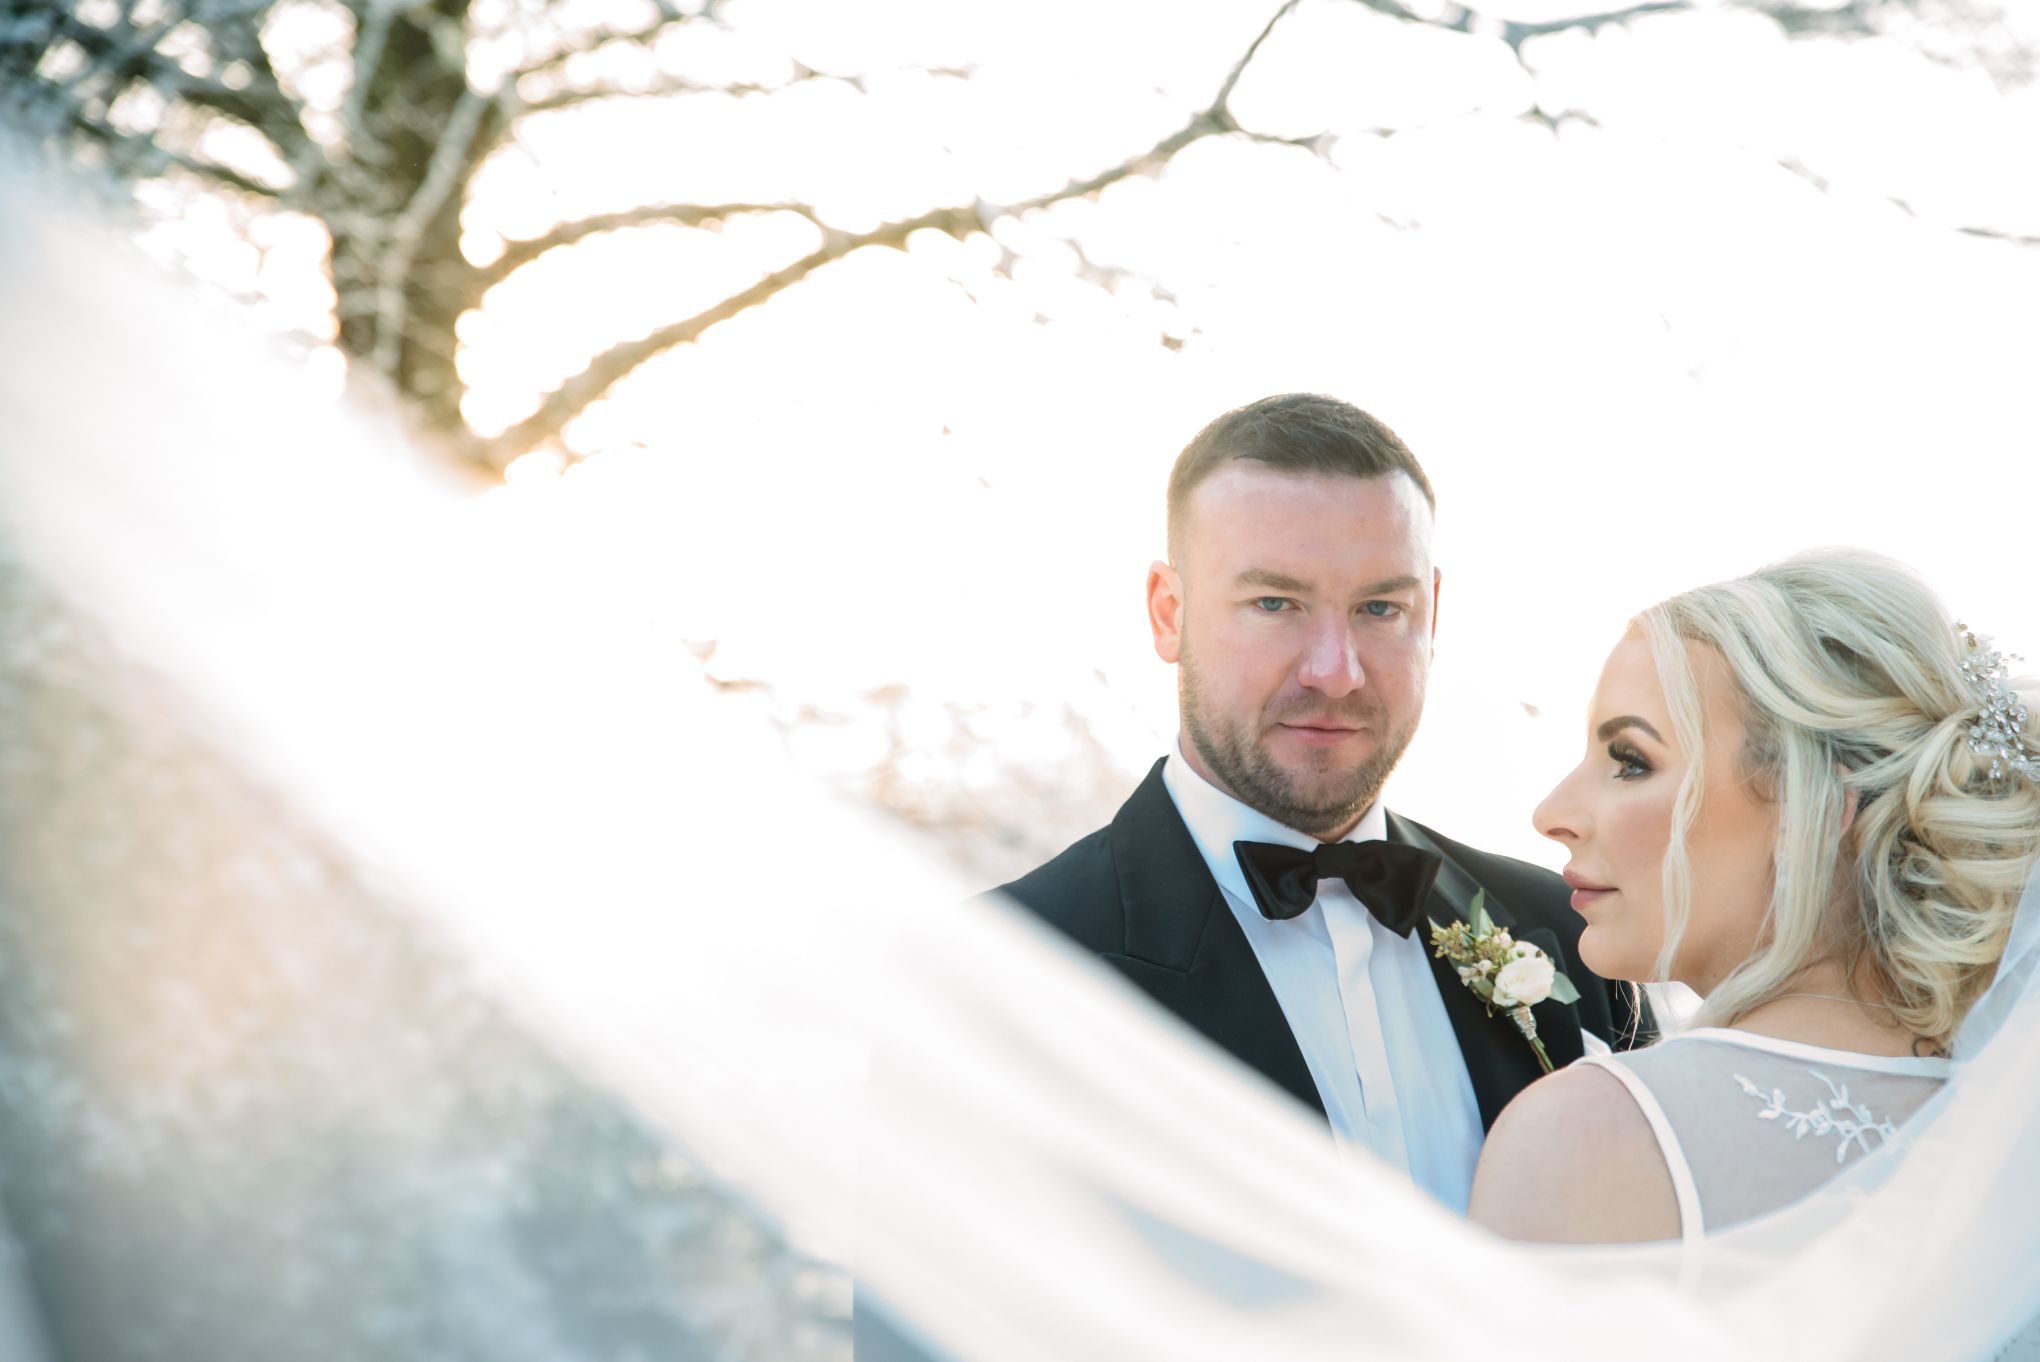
[[1710, 306]]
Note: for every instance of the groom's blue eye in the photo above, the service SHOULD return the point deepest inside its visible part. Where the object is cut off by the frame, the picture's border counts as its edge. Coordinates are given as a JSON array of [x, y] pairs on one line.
[[1382, 610], [1271, 604]]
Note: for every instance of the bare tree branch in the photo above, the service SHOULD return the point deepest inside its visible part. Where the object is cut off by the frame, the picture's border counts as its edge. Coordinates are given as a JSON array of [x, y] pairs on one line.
[[373, 36], [1804, 172], [609, 368], [1317, 144], [517, 254], [1823, 185], [599, 38], [116, 50], [1232, 78], [1852, 18], [260, 106], [1214, 119], [1516, 34], [151, 157], [613, 365], [1552, 122], [664, 87], [1993, 234], [1458, 18]]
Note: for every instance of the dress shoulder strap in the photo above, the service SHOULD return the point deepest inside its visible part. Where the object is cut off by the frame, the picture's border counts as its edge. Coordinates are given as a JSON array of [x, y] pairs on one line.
[[1691, 1224]]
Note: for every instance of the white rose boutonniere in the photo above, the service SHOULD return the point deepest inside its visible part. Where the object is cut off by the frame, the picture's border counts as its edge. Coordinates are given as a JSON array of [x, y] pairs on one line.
[[1502, 971], [1527, 979]]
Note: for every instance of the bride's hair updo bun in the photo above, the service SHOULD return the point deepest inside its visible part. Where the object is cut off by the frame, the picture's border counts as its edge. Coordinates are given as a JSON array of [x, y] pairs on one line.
[[1850, 683]]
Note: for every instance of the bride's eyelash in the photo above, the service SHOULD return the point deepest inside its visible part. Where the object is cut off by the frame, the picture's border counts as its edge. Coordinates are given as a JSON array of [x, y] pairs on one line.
[[1633, 765]]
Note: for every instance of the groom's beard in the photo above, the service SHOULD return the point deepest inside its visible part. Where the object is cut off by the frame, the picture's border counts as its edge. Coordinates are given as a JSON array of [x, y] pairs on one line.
[[1316, 803]]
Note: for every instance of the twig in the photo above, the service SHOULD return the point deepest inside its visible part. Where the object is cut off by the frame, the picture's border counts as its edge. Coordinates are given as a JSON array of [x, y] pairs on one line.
[[517, 254], [148, 151], [1232, 78], [368, 53], [1993, 234], [664, 87]]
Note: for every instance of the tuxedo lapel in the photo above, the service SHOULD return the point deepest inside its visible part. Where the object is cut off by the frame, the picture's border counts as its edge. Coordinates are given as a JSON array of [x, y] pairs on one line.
[[1498, 1059], [1185, 948]]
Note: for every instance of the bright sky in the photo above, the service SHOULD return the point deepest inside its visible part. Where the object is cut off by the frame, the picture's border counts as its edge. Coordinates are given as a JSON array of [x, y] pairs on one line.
[[1635, 353]]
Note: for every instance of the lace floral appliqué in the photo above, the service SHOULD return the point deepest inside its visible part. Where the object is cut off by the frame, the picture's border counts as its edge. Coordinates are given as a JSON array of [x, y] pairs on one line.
[[1849, 1122]]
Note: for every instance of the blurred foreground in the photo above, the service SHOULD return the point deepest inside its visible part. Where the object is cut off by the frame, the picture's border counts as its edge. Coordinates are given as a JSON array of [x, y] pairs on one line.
[[254, 1104]]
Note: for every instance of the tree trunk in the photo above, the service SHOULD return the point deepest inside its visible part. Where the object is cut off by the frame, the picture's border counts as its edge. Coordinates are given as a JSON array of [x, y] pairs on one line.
[[422, 285]]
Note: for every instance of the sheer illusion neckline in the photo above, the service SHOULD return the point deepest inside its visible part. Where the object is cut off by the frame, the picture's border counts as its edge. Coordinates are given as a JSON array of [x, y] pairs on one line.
[[1922, 1066]]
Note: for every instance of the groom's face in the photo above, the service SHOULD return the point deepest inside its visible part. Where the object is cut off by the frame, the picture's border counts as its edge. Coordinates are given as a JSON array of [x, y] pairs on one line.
[[1300, 610]]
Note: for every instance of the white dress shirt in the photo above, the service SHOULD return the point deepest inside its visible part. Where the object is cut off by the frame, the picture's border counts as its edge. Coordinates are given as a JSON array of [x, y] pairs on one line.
[[1362, 1002]]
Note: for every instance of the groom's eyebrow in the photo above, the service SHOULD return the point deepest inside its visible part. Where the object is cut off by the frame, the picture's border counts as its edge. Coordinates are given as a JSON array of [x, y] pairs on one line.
[[1274, 581], [1279, 581], [1620, 722], [1389, 586]]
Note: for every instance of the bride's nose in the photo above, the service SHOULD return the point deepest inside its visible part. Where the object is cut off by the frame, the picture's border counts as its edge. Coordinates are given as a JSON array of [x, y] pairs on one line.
[[1559, 814]]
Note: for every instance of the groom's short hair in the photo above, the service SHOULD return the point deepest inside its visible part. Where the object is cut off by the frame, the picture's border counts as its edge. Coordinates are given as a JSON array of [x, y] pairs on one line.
[[1304, 433]]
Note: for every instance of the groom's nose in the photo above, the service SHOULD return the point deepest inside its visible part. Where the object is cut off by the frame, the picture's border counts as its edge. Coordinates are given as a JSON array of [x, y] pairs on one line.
[[1331, 661]]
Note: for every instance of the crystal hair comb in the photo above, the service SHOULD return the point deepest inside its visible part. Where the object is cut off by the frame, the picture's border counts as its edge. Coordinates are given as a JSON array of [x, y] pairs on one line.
[[1997, 730]]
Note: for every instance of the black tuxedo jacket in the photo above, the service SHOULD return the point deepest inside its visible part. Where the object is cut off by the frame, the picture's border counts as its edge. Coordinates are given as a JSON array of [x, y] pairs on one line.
[[1139, 894]]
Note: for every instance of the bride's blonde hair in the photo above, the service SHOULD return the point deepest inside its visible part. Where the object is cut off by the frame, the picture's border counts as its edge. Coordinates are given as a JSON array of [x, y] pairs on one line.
[[1848, 677]]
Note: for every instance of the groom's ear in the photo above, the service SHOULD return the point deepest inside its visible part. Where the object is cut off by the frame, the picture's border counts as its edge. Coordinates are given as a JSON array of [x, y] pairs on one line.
[[1437, 582], [1165, 610]]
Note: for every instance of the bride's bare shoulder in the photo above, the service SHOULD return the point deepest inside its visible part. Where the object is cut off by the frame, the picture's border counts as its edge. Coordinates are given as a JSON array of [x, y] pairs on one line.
[[1573, 1161]]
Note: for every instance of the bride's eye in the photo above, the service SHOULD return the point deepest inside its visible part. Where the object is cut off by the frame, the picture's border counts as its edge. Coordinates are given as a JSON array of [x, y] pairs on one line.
[[1629, 762]]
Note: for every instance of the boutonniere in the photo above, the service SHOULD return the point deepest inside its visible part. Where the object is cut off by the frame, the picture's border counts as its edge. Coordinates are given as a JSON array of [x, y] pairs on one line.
[[1502, 971]]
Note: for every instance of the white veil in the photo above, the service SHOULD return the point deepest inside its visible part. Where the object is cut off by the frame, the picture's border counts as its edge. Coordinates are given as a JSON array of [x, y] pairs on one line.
[[1107, 1189], [1021, 1158]]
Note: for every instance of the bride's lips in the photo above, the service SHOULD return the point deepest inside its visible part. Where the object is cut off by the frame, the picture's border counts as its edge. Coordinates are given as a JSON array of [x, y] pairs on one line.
[[1584, 890]]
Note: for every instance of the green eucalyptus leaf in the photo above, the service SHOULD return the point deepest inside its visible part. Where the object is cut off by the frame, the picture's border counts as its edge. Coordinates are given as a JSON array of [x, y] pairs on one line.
[[1562, 989]]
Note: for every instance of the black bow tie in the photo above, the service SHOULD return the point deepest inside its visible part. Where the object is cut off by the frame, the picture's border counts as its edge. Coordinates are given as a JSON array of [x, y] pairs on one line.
[[1393, 880]]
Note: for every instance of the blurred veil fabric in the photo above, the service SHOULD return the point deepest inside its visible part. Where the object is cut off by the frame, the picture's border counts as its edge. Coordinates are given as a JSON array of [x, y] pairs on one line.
[[1018, 1158]]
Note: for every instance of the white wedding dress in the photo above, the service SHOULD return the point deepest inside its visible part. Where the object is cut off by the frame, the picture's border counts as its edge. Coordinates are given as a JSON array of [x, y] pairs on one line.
[[1750, 1124]]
